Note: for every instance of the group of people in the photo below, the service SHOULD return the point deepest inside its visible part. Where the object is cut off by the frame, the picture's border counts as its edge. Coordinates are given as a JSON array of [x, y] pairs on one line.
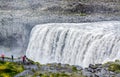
[[12, 58]]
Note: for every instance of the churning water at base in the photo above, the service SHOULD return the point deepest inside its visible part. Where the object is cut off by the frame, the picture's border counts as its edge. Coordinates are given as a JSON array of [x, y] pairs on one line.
[[75, 43]]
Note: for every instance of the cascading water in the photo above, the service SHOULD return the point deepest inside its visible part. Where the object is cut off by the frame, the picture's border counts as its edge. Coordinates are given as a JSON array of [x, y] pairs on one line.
[[75, 43]]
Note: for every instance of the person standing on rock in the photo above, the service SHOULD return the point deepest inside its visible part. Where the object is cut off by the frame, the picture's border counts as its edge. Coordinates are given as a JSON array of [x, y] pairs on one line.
[[24, 59], [12, 58], [2, 56]]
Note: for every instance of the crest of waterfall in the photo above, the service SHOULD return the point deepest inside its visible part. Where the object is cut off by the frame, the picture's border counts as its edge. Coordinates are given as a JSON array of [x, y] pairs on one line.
[[75, 43]]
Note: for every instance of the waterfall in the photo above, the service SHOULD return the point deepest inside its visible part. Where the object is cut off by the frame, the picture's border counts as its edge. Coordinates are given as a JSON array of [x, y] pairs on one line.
[[75, 43]]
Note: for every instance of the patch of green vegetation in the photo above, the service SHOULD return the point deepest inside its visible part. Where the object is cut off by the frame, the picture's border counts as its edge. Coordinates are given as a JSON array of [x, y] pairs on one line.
[[114, 66], [74, 69], [9, 69], [53, 75], [57, 74], [32, 62]]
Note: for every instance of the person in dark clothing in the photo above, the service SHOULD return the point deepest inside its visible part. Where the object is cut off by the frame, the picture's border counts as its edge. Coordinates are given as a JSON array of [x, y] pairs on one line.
[[12, 58], [2, 56], [24, 59]]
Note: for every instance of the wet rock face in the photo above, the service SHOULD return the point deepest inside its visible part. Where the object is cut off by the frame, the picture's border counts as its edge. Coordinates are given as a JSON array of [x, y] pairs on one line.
[[87, 8], [84, 7], [10, 41], [13, 34]]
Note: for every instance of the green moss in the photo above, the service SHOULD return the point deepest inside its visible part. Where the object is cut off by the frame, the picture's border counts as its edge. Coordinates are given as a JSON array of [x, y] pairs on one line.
[[9, 69], [32, 62], [58, 74], [114, 67], [74, 69], [117, 61], [44, 75], [54, 75]]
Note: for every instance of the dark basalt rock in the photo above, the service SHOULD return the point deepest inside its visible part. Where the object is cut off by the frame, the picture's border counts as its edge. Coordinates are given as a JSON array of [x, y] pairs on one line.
[[98, 70], [80, 7]]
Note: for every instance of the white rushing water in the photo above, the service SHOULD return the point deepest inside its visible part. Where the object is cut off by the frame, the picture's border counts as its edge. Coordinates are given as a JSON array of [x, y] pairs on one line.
[[75, 43]]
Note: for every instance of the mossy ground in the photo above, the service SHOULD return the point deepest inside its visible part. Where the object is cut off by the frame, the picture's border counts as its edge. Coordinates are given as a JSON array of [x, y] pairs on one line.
[[9, 69], [59, 73], [49, 74], [113, 66]]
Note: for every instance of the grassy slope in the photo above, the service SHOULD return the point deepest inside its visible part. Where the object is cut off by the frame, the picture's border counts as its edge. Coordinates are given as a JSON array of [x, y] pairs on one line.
[[9, 69], [113, 66]]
